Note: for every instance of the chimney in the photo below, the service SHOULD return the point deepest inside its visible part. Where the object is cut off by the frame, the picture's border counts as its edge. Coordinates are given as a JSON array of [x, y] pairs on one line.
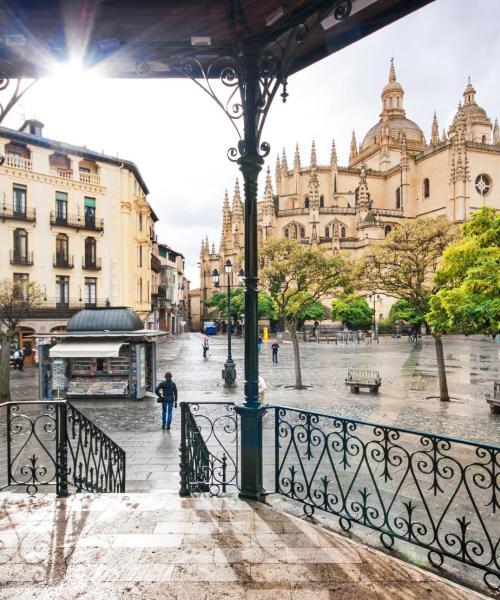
[[32, 127]]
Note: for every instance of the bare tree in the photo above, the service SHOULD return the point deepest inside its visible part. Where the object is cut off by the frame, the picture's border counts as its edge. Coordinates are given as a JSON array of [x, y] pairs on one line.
[[17, 300]]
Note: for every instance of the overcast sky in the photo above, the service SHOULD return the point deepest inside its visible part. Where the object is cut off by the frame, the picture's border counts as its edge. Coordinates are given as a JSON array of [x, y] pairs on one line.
[[178, 137]]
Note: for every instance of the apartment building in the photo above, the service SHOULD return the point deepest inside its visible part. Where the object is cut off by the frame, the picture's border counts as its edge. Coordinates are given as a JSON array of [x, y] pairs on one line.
[[173, 291], [77, 222]]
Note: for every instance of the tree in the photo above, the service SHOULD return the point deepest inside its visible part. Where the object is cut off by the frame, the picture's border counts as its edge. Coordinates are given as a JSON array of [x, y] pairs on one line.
[[353, 310], [17, 300], [219, 301], [469, 279], [402, 266], [298, 278], [402, 310]]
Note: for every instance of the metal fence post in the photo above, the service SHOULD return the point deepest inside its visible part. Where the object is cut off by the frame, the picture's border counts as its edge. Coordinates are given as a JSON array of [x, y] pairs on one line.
[[184, 466], [9, 458], [62, 451]]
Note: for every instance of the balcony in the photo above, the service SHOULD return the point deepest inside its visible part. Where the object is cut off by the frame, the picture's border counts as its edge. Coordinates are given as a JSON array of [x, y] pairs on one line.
[[8, 211], [290, 212], [76, 222], [63, 173], [24, 260], [57, 308], [91, 178], [63, 261], [388, 212], [91, 265], [155, 264], [337, 210], [18, 162]]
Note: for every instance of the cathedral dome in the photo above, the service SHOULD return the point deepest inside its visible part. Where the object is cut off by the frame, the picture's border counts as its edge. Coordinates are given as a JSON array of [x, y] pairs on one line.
[[470, 111], [397, 125]]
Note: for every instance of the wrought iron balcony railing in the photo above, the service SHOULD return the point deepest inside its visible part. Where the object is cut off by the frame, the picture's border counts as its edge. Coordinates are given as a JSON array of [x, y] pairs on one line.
[[9, 211], [437, 493], [51, 443], [76, 222], [25, 260], [91, 264], [57, 308], [63, 261]]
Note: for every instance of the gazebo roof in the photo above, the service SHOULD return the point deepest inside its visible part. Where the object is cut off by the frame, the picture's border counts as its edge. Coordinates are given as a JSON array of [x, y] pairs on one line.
[[141, 39], [105, 319]]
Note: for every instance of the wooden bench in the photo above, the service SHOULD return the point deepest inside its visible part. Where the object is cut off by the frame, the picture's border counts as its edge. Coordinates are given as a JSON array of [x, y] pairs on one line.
[[494, 401], [362, 378]]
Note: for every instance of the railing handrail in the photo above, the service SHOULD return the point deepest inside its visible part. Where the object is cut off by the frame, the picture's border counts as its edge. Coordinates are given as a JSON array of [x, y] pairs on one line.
[[371, 424], [101, 432]]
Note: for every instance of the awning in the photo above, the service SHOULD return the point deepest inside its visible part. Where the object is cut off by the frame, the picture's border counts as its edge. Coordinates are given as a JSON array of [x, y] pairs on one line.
[[107, 349]]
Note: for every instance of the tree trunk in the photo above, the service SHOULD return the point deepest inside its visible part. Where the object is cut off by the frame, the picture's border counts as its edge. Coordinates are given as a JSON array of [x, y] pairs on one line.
[[5, 341], [292, 328], [443, 384]]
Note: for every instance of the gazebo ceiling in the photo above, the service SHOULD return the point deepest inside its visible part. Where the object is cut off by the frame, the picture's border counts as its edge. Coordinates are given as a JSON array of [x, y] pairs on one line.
[[131, 38]]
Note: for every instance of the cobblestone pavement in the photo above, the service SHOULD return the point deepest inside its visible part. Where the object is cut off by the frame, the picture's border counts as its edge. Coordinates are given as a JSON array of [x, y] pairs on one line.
[[145, 547]]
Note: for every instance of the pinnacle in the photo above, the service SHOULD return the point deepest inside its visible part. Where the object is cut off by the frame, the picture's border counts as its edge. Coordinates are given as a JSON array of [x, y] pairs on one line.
[[392, 72]]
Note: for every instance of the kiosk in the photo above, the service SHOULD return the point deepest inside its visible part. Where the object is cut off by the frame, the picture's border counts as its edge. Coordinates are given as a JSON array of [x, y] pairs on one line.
[[104, 353]]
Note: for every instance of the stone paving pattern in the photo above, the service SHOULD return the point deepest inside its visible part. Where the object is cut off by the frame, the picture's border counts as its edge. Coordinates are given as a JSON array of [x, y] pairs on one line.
[[158, 545]]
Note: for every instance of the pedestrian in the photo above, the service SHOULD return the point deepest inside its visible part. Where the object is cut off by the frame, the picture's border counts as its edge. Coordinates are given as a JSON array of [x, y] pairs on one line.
[[259, 344], [262, 389], [275, 347], [205, 347], [15, 357], [166, 391], [20, 361], [47, 383]]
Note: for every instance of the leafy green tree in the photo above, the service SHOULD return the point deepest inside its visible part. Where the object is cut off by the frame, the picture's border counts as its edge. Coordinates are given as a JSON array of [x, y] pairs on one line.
[[265, 306], [353, 310], [219, 301], [402, 310], [17, 300], [298, 277], [469, 279], [403, 265]]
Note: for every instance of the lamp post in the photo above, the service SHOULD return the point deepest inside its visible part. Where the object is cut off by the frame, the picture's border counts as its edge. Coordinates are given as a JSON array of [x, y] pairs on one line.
[[374, 298], [229, 371]]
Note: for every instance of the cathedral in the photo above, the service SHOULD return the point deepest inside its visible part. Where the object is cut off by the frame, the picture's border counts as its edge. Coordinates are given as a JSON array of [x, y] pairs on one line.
[[393, 174]]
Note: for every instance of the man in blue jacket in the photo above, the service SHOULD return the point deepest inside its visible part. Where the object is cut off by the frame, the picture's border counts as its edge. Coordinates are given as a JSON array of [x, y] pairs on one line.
[[166, 391]]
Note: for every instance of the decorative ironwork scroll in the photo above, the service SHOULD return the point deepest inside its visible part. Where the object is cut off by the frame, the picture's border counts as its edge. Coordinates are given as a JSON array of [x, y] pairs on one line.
[[209, 448], [438, 493]]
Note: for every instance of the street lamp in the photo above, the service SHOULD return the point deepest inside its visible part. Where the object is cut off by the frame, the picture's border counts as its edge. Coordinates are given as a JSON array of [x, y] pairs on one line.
[[374, 298], [229, 371]]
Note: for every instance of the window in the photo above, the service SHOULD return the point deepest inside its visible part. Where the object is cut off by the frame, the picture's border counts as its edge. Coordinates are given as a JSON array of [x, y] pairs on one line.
[[387, 230], [342, 232], [426, 192], [19, 199], [90, 290], [335, 184], [322, 202], [84, 169], [286, 232], [483, 139], [390, 102], [398, 197], [61, 248], [483, 184], [89, 206], [302, 232], [62, 290], [90, 252], [140, 289], [20, 244], [20, 281], [306, 202], [327, 232], [140, 221], [139, 256], [61, 206]]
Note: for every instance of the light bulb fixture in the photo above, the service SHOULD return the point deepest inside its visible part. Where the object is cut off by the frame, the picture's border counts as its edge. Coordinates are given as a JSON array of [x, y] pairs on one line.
[[215, 277], [241, 276], [228, 266]]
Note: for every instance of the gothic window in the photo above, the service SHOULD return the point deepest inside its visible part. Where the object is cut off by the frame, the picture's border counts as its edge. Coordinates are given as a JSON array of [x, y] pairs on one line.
[[321, 201], [302, 232], [342, 232], [483, 184], [335, 183], [390, 102], [306, 202], [426, 192], [327, 232], [398, 197], [286, 232], [387, 230], [293, 231]]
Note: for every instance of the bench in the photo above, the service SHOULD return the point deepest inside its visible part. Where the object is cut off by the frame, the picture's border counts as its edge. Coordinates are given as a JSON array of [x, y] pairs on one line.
[[362, 378], [494, 401]]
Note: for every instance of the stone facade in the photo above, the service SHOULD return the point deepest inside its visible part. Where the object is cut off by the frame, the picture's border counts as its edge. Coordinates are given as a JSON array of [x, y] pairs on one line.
[[75, 221], [393, 174]]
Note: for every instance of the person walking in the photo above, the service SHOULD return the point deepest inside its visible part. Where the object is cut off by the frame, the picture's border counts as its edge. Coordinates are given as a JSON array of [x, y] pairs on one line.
[[166, 391], [275, 347], [20, 361], [259, 344], [205, 347]]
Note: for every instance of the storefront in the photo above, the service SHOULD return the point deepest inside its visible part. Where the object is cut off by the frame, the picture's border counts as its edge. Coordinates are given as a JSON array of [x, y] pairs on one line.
[[104, 353]]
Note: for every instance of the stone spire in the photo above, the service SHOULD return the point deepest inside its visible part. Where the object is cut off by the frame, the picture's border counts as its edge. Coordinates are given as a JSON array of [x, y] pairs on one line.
[[296, 159], [496, 133], [362, 196], [333, 157], [392, 95], [237, 208], [434, 131], [392, 72], [207, 247], [314, 161], [469, 94], [443, 136], [213, 248], [202, 249], [278, 168], [268, 207], [354, 148], [284, 163]]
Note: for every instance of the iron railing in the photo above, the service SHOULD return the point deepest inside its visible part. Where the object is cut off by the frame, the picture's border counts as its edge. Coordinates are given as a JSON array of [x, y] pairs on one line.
[[63, 261], [438, 493], [209, 448], [76, 221], [25, 260], [9, 211], [52, 443], [94, 264]]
